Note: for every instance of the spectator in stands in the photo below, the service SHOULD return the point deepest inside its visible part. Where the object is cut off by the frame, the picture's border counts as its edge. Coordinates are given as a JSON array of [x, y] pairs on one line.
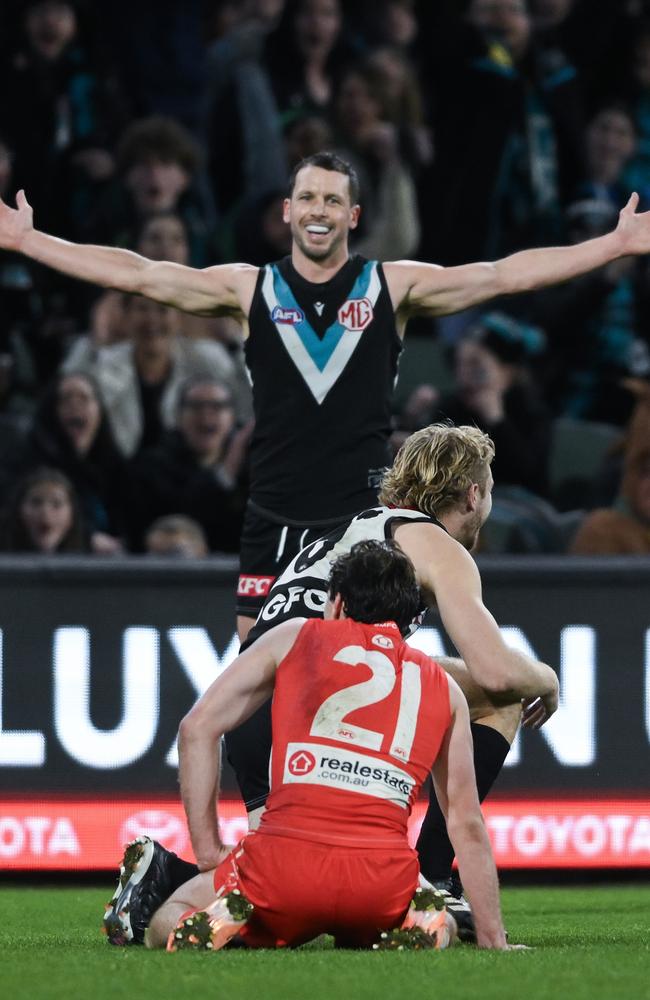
[[43, 516], [610, 145], [306, 133], [176, 535], [389, 225], [416, 413], [140, 378], [597, 37], [624, 529], [159, 168], [394, 81], [496, 392], [306, 53], [500, 180], [160, 49], [388, 22], [164, 236], [62, 110], [595, 331], [16, 281], [71, 433], [197, 469], [19, 330], [259, 231], [547, 14], [638, 93], [240, 112]]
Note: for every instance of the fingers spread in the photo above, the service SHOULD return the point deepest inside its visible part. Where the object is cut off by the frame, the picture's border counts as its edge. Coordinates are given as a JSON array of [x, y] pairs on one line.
[[534, 714]]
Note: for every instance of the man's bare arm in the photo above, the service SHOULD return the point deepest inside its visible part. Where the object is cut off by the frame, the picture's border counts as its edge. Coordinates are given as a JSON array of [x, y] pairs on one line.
[[418, 288], [222, 290], [231, 699], [455, 784], [449, 577]]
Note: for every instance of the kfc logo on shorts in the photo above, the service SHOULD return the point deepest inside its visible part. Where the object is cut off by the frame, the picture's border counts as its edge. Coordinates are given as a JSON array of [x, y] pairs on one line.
[[356, 314], [301, 762], [290, 316], [254, 586], [164, 827]]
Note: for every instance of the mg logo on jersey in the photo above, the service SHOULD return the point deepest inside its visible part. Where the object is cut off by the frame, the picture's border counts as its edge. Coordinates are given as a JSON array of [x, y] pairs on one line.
[[280, 314], [301, 762], [356, 314]]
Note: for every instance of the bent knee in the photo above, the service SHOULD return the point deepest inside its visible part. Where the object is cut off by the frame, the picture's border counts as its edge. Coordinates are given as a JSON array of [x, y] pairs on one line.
[[505, 719]]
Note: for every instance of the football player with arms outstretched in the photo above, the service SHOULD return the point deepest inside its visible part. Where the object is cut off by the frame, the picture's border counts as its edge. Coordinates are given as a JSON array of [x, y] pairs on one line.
[[323, 331]]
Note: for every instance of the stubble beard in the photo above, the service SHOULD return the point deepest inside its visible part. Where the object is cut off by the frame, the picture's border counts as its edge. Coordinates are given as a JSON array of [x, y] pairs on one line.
[[471, 532], [317, 253]]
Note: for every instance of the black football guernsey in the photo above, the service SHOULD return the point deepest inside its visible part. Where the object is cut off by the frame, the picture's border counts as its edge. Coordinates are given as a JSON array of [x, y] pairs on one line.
[[323, 361], [301, 589]]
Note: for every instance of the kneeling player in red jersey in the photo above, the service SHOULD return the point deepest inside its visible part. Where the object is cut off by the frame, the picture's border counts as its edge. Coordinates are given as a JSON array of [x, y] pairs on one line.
[[359, 720]]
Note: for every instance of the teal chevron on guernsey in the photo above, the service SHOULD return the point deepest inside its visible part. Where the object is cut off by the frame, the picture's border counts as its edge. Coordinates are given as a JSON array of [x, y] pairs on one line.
[[320, 360]]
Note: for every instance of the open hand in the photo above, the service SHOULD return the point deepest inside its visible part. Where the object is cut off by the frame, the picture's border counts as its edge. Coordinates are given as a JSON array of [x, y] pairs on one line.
[[536, 711], [633, 228], [15, 223]]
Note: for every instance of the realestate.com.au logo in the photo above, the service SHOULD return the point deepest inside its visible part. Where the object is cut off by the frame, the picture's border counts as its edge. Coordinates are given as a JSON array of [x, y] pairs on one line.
[[354, 772], [301, 762]]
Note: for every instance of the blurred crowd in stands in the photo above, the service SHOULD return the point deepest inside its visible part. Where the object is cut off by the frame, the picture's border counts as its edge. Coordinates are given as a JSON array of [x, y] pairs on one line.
[[478, 127]]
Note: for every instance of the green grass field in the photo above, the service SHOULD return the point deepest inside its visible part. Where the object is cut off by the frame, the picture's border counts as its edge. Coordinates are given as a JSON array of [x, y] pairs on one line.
[[589, 944]]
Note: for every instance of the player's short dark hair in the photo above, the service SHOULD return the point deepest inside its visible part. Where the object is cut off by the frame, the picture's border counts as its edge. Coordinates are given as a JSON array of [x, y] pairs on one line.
[[376, 581], [328, 161]]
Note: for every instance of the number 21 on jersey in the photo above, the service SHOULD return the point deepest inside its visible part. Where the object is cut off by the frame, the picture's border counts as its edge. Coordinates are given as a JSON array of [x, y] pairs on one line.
[[330, 721]]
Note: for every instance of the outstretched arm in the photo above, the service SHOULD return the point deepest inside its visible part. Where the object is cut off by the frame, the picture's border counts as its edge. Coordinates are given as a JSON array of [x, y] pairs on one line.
[[231, 699], [418, 288], [223, 290]]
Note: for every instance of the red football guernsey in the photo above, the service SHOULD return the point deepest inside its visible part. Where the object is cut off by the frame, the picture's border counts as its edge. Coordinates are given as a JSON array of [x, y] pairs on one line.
[[358, 720]]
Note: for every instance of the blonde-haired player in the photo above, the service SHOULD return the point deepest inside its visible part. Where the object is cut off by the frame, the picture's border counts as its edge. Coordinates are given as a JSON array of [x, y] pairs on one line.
[[435, 499]]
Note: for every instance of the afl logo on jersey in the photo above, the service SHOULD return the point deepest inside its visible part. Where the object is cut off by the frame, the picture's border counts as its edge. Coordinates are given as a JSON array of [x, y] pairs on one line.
[[383, 641], [301, 762], [289, 315], [356, 314]]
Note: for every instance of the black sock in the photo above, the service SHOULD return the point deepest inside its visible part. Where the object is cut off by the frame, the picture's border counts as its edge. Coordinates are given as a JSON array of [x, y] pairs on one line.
[[180, 872], [434, 846]]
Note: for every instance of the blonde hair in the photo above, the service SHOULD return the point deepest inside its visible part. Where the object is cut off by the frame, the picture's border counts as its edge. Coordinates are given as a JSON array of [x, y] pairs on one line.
[[435, 467]]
